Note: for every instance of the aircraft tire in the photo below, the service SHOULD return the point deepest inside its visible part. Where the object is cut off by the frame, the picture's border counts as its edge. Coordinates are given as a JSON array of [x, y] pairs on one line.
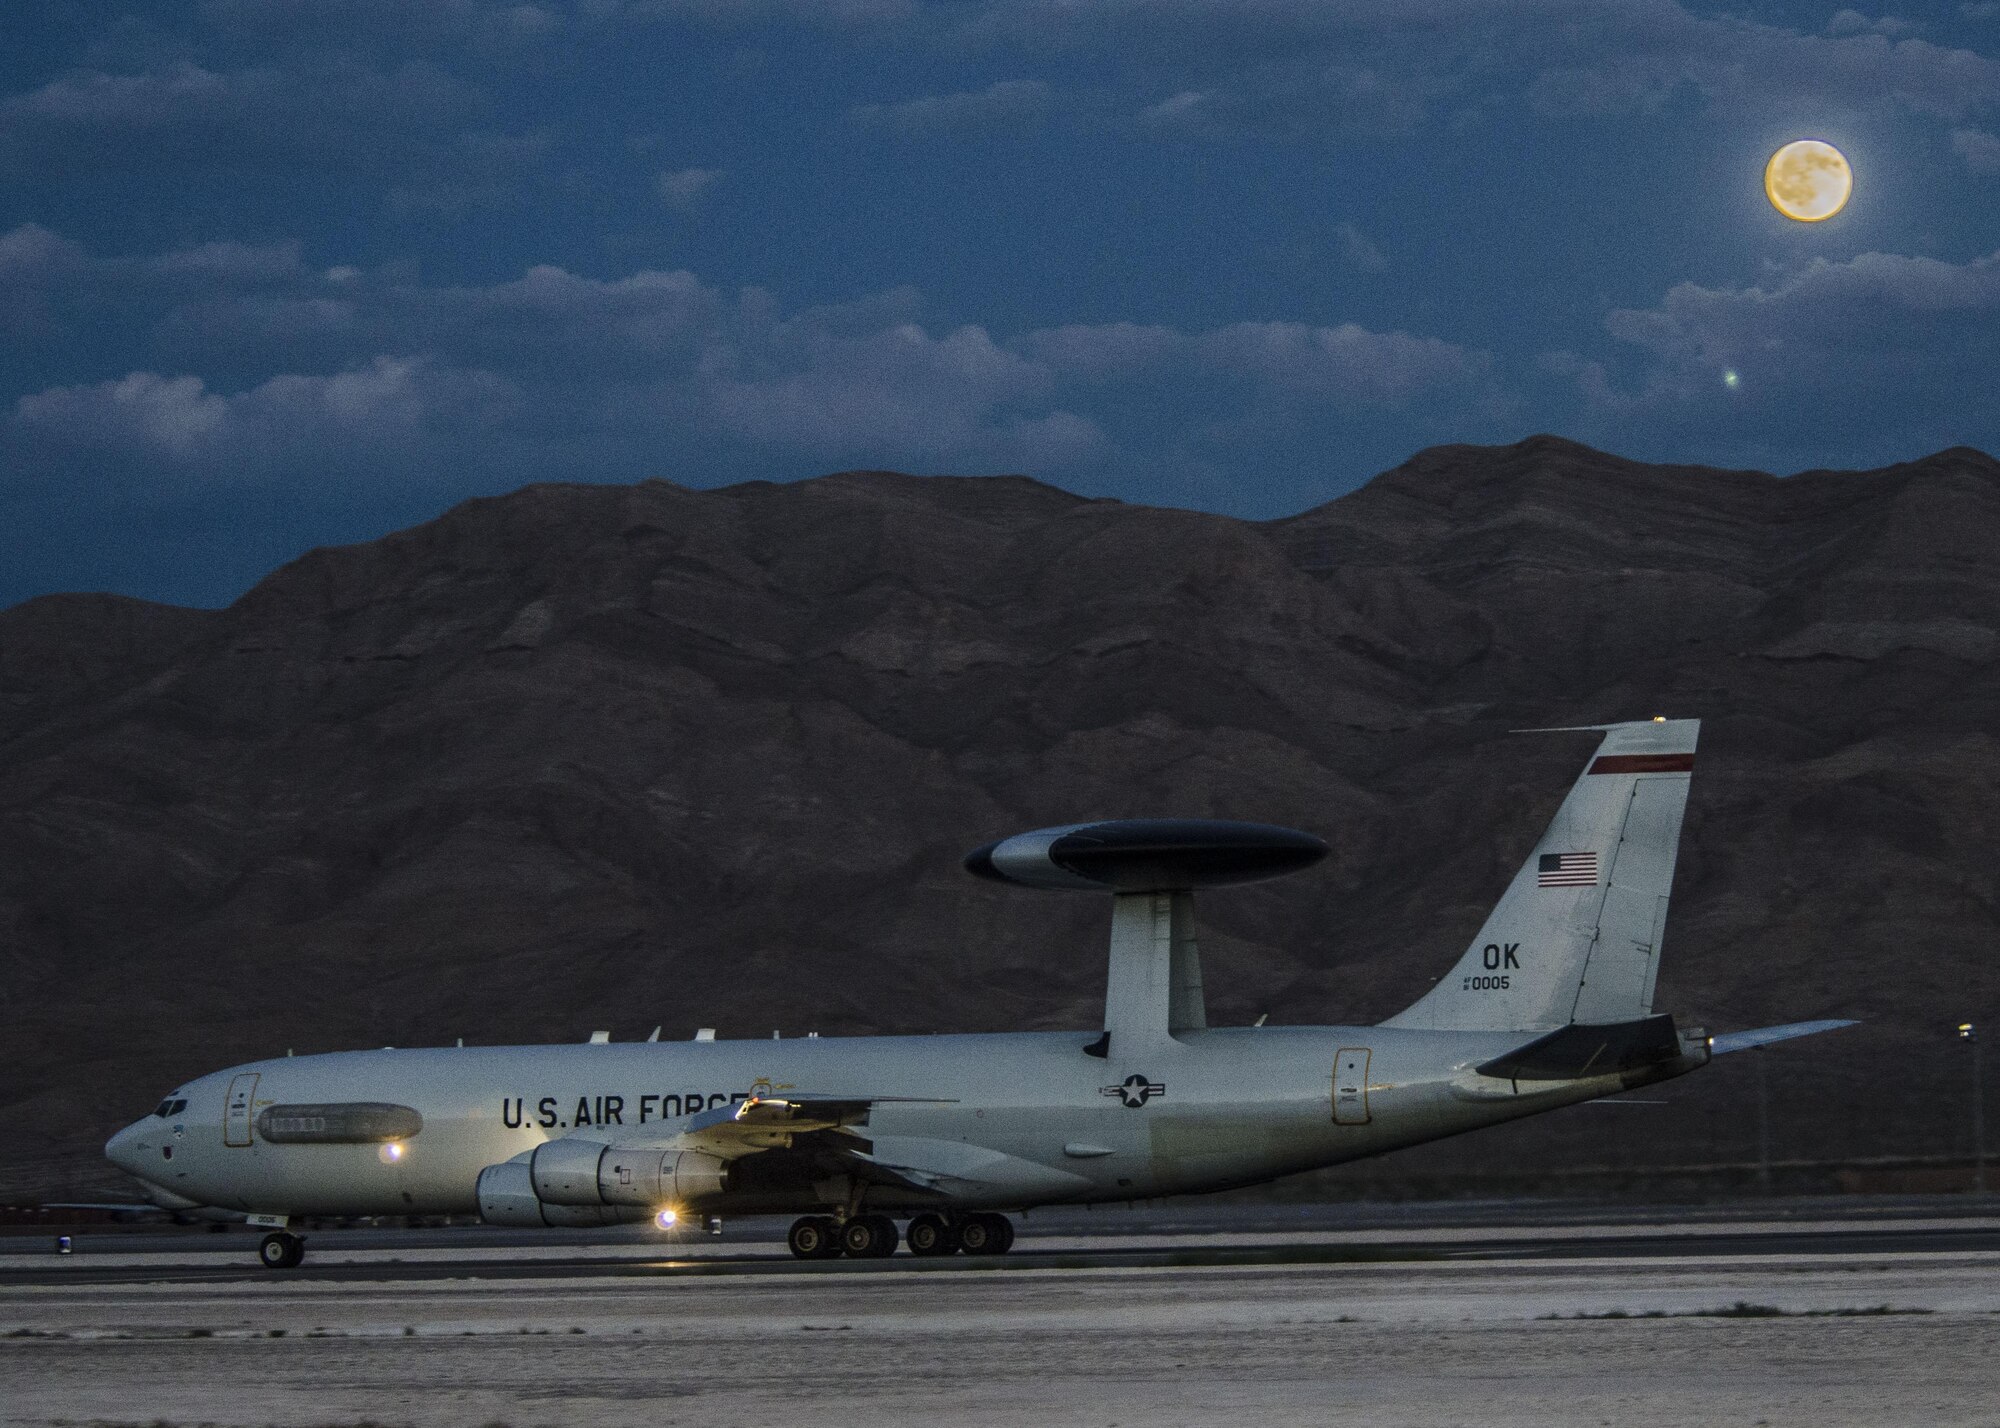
[[813, 1237], [868, 1237], [929, 1236], [281, 1251], [986, 1233]]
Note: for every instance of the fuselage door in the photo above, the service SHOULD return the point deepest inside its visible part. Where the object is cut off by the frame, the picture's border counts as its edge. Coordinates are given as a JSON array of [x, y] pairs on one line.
[[236, 1113], [1350, 1086]]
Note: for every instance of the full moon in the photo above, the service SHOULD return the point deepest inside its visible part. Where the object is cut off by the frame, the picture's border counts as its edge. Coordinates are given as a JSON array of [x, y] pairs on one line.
[[1808, 180]]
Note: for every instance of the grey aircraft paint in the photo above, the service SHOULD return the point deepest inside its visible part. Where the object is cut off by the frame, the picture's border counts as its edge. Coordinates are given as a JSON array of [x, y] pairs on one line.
[[1158, 1103]]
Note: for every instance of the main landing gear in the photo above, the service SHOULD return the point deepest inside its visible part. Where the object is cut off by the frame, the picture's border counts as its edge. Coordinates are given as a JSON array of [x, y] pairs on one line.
[[874, 1236], [282, 1251]]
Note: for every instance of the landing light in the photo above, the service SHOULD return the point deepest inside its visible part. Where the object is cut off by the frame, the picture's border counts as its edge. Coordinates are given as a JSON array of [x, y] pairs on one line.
[[391, 1152], [666, 1219]]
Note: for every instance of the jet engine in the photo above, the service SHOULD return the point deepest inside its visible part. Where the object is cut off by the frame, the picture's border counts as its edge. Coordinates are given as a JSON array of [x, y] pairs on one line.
[[575, 1183]]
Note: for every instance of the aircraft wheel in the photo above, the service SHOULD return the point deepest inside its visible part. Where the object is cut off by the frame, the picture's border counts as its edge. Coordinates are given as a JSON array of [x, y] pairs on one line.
[[281, 1251], [986, 1234], [869, 1237], [928, 1235], [814, 1237]]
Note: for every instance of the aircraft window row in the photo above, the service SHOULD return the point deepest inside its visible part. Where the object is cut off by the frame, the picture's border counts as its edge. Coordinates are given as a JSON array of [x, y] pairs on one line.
[[170, 1107]]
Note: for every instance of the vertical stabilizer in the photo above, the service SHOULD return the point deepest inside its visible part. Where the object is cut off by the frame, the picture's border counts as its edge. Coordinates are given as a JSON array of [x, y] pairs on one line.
[[1576, 936]]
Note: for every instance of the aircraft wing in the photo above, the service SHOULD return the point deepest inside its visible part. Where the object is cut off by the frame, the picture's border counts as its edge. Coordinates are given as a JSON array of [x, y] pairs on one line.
[[774, 1122], [1765, 1035], [118, 1207]]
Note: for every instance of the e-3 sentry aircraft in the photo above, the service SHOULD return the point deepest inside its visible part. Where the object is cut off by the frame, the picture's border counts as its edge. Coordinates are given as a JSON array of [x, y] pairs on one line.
[[1552, 1004]]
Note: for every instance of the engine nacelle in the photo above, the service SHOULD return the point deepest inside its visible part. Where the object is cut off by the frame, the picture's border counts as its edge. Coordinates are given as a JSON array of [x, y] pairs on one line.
[[507, 1197], [651, 1176], [586, 1182], [564, 1172]]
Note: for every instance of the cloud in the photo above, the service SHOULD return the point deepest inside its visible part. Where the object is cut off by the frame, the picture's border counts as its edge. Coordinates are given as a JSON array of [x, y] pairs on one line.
[[746, 14], [372, 410], [184, 95], [1007, 103], [1881, 354], [235, 261], [31, 251], [683, 188], [259, 367], [1347, 363], [172, 415], [1979, 149], [549, 373], [330, 113], [1176, 110], [1853, 22], [1310, 67], [1103, 350], [1358, 252], [918, 390]]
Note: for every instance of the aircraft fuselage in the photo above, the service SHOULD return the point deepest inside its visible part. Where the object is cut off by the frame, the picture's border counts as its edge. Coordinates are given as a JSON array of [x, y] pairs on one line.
[[1006, 1121]]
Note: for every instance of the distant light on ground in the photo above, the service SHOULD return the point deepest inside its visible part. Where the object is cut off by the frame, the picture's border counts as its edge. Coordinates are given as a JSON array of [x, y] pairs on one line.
[[1808, 180], [1731, 378]]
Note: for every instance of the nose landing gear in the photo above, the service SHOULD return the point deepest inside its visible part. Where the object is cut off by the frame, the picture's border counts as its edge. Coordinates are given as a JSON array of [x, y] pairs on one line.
[[281, 1251]]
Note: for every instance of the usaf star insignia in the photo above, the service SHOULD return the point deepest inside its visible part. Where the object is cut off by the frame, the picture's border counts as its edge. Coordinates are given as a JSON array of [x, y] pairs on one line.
[[1134, 1090]]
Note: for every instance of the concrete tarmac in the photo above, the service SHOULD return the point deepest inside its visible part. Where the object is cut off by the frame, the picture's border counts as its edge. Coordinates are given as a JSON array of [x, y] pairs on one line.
[[1147, 1236], [1826, 1328]]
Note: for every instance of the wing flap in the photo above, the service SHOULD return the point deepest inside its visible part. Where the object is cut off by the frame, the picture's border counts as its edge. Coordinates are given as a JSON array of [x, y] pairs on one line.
[[775, 1122]]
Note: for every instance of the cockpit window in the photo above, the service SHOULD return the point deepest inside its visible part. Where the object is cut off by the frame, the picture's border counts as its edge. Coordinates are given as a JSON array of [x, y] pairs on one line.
[[170, 1107], [178, 1107]]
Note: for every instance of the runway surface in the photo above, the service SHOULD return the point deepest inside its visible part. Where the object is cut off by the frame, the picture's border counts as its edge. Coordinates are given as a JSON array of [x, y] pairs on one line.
[[1482, 1318], [1141, 1238]]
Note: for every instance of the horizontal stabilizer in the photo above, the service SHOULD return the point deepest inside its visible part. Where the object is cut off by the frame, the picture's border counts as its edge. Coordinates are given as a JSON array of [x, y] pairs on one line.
[[1572, 1052], [1765, 1035]]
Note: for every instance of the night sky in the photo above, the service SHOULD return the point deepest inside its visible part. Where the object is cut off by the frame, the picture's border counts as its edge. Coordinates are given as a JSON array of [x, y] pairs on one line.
[[284, 273]]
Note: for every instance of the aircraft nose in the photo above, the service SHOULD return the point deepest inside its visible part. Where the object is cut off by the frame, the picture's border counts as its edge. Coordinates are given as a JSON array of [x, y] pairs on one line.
[[123, 1149]]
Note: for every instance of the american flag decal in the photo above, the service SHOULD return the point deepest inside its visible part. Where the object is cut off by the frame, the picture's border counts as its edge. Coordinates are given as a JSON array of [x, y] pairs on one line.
[[1566, 870]]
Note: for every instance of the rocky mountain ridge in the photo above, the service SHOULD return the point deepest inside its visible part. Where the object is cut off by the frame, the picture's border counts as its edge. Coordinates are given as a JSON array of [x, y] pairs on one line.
[[589, 756]]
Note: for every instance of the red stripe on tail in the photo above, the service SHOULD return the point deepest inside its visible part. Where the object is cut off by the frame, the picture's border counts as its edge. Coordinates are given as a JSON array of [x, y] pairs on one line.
[[1643, 763]]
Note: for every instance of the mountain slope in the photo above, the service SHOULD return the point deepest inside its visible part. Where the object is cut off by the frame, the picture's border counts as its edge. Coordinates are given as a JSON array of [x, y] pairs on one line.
[[588, 756]]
